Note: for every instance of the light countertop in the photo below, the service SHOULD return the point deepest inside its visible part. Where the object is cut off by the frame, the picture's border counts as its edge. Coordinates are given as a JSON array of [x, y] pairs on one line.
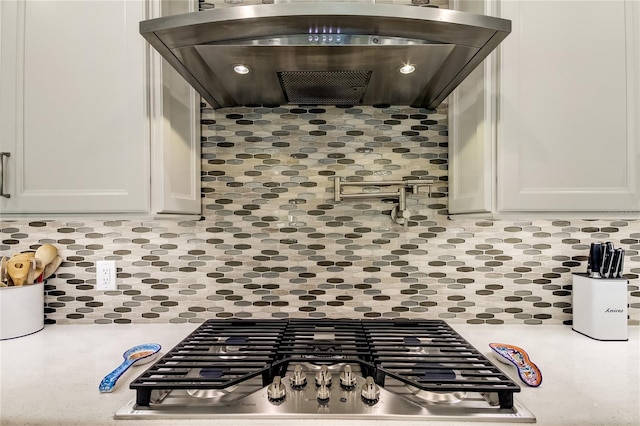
[[51, 377]]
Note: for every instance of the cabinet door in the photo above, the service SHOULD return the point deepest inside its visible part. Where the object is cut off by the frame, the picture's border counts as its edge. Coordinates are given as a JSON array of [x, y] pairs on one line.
[[73, 104], [175, 129], [472, 132], [568, 136]]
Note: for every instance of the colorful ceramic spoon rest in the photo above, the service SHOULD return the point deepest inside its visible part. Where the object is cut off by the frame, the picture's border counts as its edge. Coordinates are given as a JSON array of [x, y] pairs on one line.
[[529, 372], [140, 354]]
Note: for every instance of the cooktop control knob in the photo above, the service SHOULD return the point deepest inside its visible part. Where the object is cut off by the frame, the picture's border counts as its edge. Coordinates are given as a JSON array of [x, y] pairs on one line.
[[323, 377], [298, 380], [347, 378], [370, 392], [323, 394], [276, 390]]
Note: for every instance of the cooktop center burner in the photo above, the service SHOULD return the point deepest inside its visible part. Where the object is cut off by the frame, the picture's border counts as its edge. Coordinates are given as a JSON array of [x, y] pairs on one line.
[[323, 353]]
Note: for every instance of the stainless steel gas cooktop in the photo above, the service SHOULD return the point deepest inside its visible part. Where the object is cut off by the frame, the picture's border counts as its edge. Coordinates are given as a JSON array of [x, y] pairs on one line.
[[334, 369]]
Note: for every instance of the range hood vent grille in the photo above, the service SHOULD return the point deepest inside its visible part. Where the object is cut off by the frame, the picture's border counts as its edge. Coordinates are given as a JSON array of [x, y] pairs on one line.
[[324, 87], [325, 53]]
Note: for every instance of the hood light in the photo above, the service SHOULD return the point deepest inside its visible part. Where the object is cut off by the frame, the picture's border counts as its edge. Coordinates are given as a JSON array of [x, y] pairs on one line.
[[241, 69], [407, 69]]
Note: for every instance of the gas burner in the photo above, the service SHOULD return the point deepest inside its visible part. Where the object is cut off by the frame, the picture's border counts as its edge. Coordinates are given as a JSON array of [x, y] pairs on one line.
[[211, 374], [317, 366], [435, 373], [211, 393], [412, 345], [444, 374], [321, 352], [435, 396], [235, 348]]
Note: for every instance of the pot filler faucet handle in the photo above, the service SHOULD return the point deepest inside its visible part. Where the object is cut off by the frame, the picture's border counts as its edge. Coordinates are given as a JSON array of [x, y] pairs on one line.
[[276, 390]]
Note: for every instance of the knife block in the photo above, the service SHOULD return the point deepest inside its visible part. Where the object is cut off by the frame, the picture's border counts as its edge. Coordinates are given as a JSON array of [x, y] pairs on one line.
[[600, 307]]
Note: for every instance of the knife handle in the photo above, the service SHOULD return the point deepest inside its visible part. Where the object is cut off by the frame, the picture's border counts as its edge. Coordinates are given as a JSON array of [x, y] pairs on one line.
[[607, 258], [620, 263], [615, 265], [589, 259], [595, 257]]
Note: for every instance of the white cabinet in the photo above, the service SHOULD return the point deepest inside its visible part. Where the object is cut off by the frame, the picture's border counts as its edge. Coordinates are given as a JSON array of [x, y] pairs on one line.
[[175, 128], [73, 107], [561, 128], [77, 114], [471, 133]]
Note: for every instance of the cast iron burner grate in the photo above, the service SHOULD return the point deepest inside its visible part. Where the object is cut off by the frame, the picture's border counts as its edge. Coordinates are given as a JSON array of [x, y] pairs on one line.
[[424, 355], [326, 341], [217, 355], [430, 356]]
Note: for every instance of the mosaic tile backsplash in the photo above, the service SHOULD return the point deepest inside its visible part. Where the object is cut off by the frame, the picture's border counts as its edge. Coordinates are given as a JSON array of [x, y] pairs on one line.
[[273, 244]]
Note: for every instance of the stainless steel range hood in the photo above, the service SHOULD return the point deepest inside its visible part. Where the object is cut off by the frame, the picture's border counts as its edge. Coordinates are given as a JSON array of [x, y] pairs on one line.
[[325, 53]]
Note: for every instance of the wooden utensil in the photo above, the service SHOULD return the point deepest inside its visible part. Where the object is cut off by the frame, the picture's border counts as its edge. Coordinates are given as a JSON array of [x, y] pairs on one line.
[[46, 253], [33, 267], [18, 269], [23, 256], [38, 269], [4, 279], [51, 267]]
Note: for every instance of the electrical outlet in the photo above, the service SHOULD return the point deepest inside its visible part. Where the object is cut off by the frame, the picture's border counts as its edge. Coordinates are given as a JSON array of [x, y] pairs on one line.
[[106, 275]]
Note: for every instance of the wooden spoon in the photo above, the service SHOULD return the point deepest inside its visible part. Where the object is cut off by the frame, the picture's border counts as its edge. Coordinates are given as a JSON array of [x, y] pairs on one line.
[[33, 269], [51, 267], [30, 260], [3, 272], [24, 256], [18, 269], [46, 253]]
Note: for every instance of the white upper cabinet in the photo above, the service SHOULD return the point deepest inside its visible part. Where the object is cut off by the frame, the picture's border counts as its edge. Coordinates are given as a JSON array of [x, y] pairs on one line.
[[565, 112], [175, 128], [568, 107], [471, 133], [73, 107], [77, 115]]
